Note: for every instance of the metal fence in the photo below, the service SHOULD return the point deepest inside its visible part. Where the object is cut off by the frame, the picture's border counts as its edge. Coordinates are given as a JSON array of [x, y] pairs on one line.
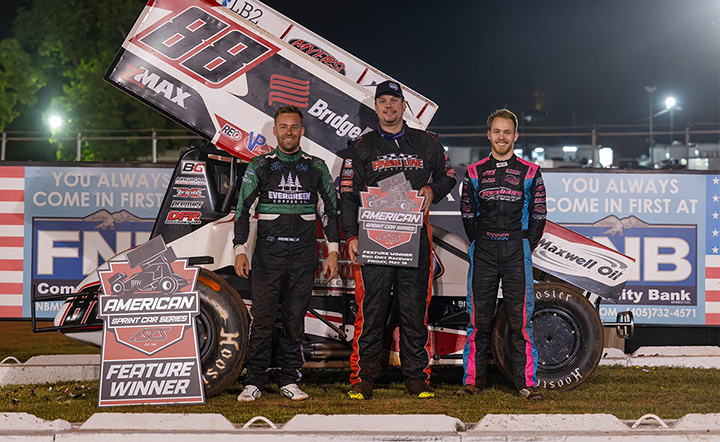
[[467, 143], [694, 141], [153, 136]]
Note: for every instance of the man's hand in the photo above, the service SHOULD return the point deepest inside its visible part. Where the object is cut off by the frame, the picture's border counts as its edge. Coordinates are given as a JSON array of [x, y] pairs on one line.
[[428, 194], [330, 270], [242, 266], [353, 250]]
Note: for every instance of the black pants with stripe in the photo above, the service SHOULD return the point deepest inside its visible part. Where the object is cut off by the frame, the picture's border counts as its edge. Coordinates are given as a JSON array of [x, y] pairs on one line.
[[373, 287], [284, 283], [511, 262]]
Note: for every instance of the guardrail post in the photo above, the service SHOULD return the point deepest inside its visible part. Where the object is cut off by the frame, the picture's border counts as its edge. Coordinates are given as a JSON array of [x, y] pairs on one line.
[[2, 149], [154, 146], [595, 159], [79, 146], [687, 146]]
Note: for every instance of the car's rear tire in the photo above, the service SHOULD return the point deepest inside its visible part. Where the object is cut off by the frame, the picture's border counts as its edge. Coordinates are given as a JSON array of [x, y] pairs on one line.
[[222, 329], [568, 335]]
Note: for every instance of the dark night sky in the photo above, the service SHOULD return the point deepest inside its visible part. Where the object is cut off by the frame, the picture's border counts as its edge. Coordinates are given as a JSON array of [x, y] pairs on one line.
[[591, 57], [589, 60]]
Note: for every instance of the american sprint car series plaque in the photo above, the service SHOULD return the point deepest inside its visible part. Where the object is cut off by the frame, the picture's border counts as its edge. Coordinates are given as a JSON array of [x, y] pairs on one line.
[[390, 220], [150, 349]]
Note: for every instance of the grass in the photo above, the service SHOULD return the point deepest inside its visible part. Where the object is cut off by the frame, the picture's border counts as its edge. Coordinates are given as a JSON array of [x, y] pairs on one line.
[[18, 340], [626, 392]]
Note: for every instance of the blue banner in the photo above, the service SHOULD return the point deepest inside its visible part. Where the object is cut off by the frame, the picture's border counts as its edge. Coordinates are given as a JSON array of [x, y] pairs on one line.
[[658, 219], [79, 217]]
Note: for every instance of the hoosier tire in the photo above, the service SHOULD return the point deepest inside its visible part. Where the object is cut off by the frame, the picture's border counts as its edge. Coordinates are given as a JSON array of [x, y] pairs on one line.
[[222, 329], [568, 335]]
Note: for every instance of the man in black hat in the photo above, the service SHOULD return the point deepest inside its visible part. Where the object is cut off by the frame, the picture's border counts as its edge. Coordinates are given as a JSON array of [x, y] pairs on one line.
[[391, 149]]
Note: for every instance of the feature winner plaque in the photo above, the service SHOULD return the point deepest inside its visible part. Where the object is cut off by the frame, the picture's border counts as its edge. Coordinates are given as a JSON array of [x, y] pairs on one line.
[[390, 218], [150, 348]]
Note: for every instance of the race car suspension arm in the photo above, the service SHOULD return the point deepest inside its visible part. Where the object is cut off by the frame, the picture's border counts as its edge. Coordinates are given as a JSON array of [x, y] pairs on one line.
[[341, 334]]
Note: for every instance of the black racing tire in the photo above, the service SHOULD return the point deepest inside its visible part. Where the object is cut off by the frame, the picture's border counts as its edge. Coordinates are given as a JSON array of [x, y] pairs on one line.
[[222, 329], [568, 334]]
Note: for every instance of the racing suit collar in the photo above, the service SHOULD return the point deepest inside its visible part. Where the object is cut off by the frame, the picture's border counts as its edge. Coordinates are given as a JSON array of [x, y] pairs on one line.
[[494, 161], [403, 135], [288, 157], [389, 136]]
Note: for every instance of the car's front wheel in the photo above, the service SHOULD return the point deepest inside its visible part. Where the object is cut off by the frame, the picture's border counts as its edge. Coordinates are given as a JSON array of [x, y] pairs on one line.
[[568, 334]]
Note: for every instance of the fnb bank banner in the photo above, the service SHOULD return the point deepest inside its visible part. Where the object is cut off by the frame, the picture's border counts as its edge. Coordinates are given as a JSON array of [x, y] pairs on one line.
[[63, 222], [58, 223], [667, 222]]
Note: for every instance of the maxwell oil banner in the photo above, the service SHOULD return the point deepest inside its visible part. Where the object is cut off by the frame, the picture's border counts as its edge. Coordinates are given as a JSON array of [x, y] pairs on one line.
[[582, 262], [327, 54], [65, 221]]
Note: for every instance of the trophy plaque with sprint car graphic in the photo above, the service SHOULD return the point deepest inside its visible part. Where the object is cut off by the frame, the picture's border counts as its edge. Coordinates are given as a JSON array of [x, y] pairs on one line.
[[390, 219], [149, 349]]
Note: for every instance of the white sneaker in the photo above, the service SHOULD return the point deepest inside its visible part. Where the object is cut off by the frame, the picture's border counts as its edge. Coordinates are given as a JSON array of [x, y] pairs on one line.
[[250, 393], [292, 392]]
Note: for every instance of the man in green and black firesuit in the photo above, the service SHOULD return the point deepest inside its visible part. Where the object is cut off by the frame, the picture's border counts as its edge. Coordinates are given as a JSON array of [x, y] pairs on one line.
[[288, 189]]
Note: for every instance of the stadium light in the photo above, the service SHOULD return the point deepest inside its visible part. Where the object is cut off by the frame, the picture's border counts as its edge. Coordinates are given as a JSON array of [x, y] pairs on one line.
[[55, 122], [670, 103]]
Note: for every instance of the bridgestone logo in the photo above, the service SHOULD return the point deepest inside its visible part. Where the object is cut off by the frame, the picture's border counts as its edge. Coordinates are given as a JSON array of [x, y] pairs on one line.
[[321, 111]]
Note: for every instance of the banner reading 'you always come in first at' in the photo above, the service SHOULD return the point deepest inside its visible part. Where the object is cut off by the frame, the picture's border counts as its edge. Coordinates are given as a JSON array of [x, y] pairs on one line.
[[59, 223], [55, 231]]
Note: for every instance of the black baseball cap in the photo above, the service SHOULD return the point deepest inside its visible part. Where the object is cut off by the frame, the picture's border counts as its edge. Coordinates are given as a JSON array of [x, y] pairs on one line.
[[389, 88]]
